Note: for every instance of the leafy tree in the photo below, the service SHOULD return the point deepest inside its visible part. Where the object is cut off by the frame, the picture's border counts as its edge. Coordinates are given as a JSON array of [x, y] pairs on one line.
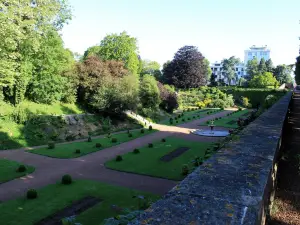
[[228, 67], [297, 70], [208, 70], [121, 47], [262, 66], [187, 69], [252, 68], [269, 65], [22, 28], [283, 74], [242, 81], [149, 92], [152, 68], [47, 84], [91, 51], [168, 97], [264, 80], [213, 81]]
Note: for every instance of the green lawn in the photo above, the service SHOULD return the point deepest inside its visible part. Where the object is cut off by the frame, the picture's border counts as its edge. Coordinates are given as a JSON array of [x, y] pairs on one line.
[[8, 170], [190, 116], [148, 160], [68, 150], [225, 121], [57, 196]]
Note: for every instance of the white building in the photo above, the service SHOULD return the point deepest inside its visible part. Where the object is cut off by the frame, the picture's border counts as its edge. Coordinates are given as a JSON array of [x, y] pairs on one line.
[[257, 52], [217, 71]]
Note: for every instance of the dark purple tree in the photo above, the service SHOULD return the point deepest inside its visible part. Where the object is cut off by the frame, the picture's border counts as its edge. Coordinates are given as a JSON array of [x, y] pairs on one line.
[[187, 69]]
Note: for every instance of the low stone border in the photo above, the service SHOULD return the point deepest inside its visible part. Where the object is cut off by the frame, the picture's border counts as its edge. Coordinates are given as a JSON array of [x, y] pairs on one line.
[[235, 186]]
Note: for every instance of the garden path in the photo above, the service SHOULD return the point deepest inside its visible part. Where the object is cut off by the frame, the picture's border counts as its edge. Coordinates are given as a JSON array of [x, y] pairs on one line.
[[50, 170]]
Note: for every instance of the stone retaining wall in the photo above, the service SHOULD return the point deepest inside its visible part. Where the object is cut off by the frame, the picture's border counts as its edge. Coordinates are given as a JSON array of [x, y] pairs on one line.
[[235, 186]]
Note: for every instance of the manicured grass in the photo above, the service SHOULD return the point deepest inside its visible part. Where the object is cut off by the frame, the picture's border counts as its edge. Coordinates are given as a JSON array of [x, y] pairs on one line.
[[190, 116], [148, 160], [225, 120], [57, 196], [68, 150], [8, 170]]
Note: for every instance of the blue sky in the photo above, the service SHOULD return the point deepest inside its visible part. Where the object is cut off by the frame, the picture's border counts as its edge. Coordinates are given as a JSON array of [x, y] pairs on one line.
[[219, 28]]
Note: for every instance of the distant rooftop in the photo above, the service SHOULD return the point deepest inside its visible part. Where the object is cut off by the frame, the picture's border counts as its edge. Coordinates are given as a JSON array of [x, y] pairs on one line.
[[254, 47]]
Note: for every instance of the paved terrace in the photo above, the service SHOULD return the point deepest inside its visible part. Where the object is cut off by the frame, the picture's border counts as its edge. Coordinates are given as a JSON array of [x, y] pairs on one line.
[[235, 186]]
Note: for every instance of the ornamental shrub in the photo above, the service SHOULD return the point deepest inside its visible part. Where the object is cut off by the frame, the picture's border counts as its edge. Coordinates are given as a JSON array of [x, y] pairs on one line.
[[31, 194], [66, 179], [21, 169], [119, 158]]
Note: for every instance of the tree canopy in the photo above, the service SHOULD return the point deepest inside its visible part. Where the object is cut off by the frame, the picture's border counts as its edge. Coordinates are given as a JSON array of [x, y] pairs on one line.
[[151, 68], [187, 69], [297, 70], [283, 74], [252, 68], [120, 47], [228, 67], [265, 80]]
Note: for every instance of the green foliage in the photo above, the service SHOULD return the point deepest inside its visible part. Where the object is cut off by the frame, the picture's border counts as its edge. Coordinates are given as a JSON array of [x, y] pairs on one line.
[[185, 170], [269, 101], [150, 128], [114, 140], [24, 39], [207, 71], [77, 151], [152, 68], [91, 51], [89, 139], [282, 73], [21, 169], [149, 92], [150, 145], [98, 145], [263, 81], [136, 151], [256, 96], [51, 145], [297, 70], [142, 131], [262, 68], [246, 103], [163, 140], [119, 158], [32, 194], [120, 47], [66, 179], [252, 68], [228, 67]]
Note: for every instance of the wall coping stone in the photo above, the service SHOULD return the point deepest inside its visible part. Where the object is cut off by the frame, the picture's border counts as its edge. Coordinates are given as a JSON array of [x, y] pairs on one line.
[[229, 187]]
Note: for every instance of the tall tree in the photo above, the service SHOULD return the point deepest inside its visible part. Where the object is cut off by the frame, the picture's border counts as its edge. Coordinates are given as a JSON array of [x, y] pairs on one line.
[[283, 74], [262, 66], [91, 51], [269, 65], [265, 80], [228, 67], [252, 68], [297, 70], [152, 68], [121, 47], [23, 24], [208, 71], [187, 69], [149, 92]]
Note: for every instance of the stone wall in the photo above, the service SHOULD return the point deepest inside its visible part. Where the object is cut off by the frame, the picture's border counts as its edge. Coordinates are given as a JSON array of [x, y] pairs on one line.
[[235, 186]]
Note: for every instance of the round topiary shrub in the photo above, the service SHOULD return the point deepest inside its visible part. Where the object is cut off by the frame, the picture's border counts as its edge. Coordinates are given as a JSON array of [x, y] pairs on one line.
[[130, 135], [163, 140], [77, 151], [66, 179], [31, 194], [119, 158], [176, 121], [21, 169], [89, 139], [51, 145], [114, 140], [189, 118], [136, 151], [183, 119], [185, 170], [142, 131], [150, 127], [207, 113], [98, 145], [171, 122], [150, 145]]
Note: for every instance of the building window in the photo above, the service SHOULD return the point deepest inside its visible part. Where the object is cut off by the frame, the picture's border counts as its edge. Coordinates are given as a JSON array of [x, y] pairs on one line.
[[239, 73], [242, 69], [236, 69], [249, 54]]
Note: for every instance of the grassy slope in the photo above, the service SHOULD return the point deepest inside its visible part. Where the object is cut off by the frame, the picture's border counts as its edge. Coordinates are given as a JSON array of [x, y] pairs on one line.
[[57, 196], [226, 119], [8, 170], [148, 160], [192, 115], [67, 150]]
